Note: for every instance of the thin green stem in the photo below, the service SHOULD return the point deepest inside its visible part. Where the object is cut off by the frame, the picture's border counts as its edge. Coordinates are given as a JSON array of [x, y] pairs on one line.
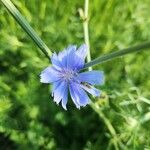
[[25, 25], [86, 30], [116, 54], [107, 123]]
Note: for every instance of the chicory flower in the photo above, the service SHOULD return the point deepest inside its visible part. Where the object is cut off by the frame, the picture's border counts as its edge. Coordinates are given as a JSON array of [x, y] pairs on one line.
[[65, 76]]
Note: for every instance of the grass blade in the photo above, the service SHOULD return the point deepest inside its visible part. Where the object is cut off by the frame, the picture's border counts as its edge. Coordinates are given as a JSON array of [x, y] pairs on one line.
[[27, 28], [116, 54]]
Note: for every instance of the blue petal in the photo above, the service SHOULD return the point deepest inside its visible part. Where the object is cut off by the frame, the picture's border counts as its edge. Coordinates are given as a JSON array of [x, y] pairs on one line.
[[92, 90], [83, 97], [49, 75], [73, 95], [71, 48], [70, 56], [66, 57], [56, 62], [60, 91], [63, 58], [74, 62], [55, 85], [79, 96], [78, 63], [64, 93], [65, 98], [82, 51], [91, 77]]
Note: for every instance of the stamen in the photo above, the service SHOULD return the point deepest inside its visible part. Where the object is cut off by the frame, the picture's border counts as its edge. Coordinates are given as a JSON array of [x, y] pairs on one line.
[[68, 74]]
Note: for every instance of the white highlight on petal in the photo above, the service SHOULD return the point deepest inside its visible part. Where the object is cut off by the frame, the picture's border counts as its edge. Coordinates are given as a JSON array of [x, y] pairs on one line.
[[82, 51]]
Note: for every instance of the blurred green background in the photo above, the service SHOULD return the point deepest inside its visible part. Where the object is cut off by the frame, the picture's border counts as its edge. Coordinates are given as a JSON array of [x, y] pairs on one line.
[[118, 120]]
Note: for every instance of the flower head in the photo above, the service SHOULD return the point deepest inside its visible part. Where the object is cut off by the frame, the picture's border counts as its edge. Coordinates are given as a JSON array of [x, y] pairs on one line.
[[65, 76]]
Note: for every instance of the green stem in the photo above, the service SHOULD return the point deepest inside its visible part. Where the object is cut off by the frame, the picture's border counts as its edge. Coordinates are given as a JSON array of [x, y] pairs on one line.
[[28, 29], [116, 54], [107, 123], [86, 30]]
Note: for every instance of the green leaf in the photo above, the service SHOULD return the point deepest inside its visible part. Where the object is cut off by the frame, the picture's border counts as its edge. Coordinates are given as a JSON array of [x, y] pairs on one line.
[[116, 54], [27, 28]]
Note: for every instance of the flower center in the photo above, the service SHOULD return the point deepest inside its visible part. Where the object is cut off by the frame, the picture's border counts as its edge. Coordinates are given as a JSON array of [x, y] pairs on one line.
[[68, 74]]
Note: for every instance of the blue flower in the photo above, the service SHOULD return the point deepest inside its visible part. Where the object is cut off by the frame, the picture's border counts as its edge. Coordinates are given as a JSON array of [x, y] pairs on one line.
[[66, 77]]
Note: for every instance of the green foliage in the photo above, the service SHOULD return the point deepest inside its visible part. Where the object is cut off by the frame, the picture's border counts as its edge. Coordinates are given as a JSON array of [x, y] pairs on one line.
[[118, 120]]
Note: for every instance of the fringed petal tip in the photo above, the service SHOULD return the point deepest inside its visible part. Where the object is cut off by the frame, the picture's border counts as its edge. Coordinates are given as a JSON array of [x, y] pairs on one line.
[[63, 106]]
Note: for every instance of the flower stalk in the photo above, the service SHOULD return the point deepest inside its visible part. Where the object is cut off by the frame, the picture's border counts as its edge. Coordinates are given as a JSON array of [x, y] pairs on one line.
[[85, 18]]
